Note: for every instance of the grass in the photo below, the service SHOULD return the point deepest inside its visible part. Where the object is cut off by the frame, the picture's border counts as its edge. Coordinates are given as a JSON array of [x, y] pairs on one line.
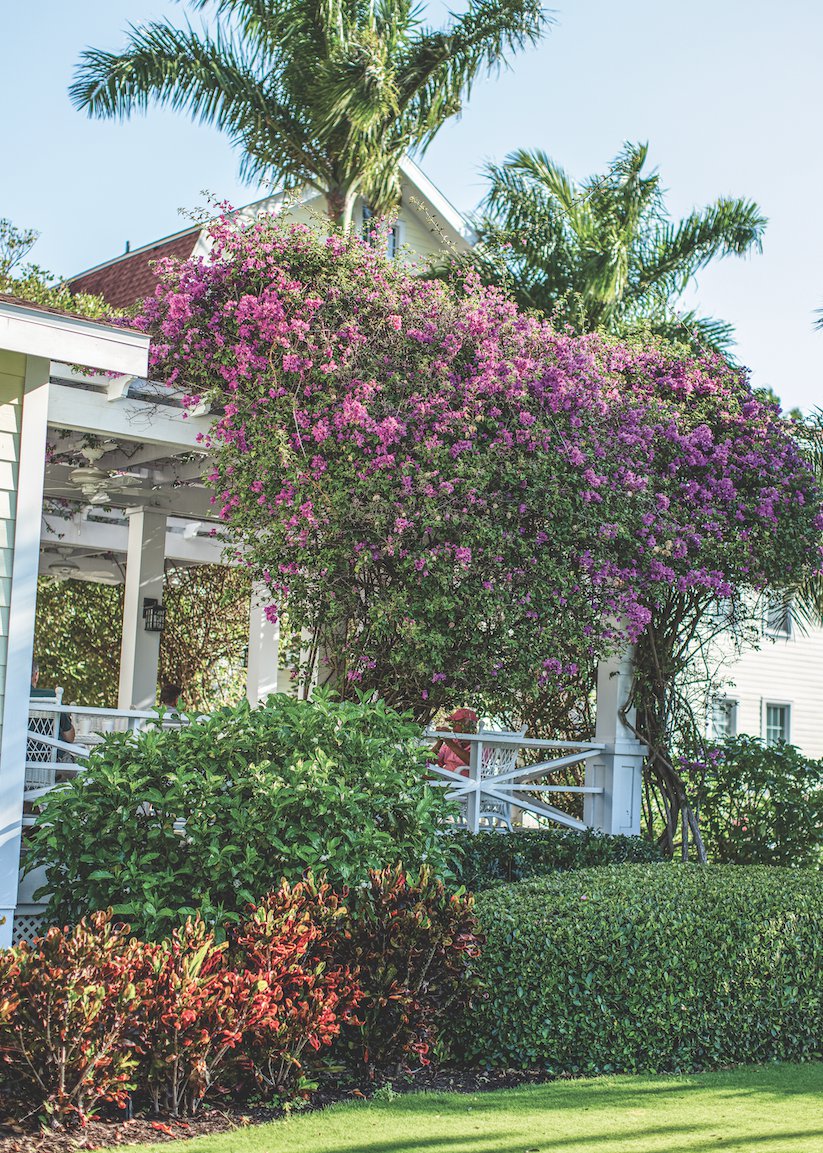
[[771, 1109]]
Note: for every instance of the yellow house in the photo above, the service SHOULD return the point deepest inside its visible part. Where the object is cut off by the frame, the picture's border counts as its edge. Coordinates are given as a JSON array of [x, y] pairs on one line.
[[426, 226]]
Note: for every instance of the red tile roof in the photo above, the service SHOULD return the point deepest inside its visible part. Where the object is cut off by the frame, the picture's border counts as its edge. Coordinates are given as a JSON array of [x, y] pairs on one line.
[[129, 277]]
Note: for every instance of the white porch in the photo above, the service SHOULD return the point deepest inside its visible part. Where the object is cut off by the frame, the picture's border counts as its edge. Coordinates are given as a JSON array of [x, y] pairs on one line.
[[101, 479]]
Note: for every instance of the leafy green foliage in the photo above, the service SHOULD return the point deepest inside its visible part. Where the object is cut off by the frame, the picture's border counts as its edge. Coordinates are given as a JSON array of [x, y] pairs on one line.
[[332, 95], [77, 639], [603, 255], [78, 626], [761, 805], [649, 968], [265, 794], [488, 858], [206, 633], [33, 283]]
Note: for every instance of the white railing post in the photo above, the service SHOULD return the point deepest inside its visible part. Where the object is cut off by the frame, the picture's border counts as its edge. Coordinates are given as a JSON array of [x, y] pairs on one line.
[[618, 770], [473, 797]]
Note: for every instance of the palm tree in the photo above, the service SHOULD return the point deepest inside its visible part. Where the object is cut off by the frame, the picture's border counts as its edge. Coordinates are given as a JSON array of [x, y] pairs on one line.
[[604, 254], [330, 93]]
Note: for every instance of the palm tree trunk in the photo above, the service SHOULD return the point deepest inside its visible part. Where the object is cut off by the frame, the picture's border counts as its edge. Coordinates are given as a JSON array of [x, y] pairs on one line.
[[340, 205]]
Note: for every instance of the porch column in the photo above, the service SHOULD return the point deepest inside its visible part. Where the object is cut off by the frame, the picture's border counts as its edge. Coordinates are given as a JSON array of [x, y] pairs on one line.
[[140, 650], [618, 769], [264, 648], [24, 389]]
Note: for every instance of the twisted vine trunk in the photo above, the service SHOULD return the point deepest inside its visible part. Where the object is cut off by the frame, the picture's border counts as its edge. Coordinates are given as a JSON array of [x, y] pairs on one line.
[[660, 655]]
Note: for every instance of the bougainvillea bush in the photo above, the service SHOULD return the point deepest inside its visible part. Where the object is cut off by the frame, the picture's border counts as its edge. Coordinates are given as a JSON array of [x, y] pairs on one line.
[[447, 498]]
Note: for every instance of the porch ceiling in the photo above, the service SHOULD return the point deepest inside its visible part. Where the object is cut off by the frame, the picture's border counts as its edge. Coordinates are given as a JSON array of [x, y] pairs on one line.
[[120, 442], [117, 443]]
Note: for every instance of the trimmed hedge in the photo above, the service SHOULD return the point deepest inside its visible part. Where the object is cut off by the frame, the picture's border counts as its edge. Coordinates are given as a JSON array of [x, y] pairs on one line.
[[488, 858], [641, 968]]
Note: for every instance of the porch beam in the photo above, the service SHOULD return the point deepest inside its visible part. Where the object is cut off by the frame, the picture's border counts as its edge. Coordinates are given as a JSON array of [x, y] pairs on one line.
[[73, 532], [84, 410]]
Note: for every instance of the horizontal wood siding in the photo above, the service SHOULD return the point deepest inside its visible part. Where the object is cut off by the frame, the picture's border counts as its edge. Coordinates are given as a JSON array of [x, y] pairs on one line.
[[12, 377], [783, 671]]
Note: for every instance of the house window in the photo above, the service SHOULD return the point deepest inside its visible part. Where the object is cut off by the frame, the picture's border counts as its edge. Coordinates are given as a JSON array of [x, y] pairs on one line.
[[779, 615], [778, 719], [722, 611], [724, 718], [393, 240]]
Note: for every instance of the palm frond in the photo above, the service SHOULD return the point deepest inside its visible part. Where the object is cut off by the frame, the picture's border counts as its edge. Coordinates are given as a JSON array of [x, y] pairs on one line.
[[678, 252], [439, 68]]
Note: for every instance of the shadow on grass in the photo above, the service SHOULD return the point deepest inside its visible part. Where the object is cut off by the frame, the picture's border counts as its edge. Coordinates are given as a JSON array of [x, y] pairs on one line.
[[491, 1143], [617, 1091]]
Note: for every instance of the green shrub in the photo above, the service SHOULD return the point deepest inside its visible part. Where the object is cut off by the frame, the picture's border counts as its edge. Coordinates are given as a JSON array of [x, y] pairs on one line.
[[487, 858], [640, 968], [262, 794], [761, 805]]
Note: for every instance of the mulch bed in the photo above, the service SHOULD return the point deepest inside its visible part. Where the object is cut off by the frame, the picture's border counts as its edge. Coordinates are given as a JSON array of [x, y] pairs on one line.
[[25, 1135]]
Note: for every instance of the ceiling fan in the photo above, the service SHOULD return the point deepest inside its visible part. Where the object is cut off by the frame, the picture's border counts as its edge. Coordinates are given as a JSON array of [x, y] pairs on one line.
[[97, 484], [63, 567]]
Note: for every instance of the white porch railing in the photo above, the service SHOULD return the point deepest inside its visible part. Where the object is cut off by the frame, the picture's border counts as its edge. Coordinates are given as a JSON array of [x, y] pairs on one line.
[[50, 760], [493, 785]]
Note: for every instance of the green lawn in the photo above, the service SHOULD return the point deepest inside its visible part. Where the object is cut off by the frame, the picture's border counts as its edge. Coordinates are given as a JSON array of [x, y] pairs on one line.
[[777, 1109]]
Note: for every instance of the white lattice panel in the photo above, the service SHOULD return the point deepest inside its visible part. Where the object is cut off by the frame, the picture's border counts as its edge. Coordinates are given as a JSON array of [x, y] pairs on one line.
[[27, 926]]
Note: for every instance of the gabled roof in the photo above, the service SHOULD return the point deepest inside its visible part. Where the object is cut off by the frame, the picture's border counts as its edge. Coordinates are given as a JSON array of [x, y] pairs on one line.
[[127, 278]]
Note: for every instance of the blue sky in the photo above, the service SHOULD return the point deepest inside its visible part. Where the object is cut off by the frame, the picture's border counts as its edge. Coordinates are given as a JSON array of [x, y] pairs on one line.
[[725, 91]]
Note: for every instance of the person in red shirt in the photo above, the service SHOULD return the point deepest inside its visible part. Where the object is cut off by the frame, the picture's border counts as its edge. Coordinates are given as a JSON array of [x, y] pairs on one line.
[[455, 755]]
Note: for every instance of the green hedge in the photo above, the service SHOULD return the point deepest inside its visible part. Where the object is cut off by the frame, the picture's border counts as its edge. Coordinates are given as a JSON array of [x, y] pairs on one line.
[[641, 968], [488, 858]]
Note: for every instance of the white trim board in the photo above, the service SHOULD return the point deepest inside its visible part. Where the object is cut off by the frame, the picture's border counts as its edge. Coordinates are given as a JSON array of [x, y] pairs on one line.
[[54, 336]]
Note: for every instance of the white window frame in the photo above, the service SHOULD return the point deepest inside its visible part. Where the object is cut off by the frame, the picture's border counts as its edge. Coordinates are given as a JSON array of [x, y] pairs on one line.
[[778, 602], [397, 233], [730, 704], [396, 240], [764, 721]]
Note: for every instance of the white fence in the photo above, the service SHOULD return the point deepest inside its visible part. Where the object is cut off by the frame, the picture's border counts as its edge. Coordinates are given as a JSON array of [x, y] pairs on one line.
[[50, 759], [493, 789]]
